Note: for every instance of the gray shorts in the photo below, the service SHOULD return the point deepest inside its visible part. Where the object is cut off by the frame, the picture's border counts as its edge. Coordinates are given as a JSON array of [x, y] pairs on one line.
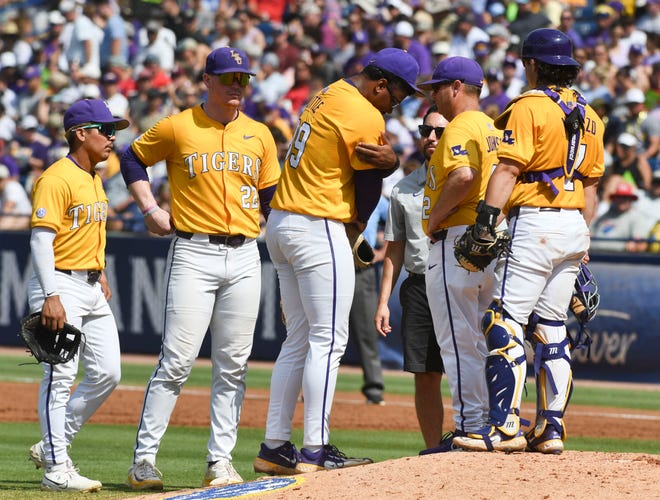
[[420, 348]]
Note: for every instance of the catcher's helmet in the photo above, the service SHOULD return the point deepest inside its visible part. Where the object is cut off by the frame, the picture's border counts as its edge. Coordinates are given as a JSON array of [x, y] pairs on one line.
[[549, 46]]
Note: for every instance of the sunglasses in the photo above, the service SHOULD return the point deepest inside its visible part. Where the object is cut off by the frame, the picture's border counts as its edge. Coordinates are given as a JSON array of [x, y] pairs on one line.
[[107, 129], [394, 101], [229, 78], [425, 131]]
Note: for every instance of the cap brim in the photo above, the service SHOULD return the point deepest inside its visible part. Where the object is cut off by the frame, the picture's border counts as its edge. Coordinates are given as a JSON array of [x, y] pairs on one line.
[[235, 70], [428, 85], [120, 123]]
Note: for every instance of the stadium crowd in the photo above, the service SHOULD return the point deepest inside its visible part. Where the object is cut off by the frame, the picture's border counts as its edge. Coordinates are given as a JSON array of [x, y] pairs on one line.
[[145, 58]]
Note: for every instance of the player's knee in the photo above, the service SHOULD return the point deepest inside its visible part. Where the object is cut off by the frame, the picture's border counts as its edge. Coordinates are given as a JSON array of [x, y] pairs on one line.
[[500, 333]]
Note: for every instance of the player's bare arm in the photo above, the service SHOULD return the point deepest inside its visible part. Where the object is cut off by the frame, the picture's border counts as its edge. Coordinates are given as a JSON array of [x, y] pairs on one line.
[[105, 286], [392, 264], [454, 191], [381, 156], [157, 220], [501, 184]]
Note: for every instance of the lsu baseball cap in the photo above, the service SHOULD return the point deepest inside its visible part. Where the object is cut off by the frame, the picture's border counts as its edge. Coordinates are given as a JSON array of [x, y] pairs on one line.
[[91, 111], [400, 63], [456, 68], [227, 60]]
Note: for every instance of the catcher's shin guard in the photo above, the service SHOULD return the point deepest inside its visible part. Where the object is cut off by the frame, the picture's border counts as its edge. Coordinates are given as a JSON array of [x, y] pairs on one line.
[[554, 380], [505, 368]]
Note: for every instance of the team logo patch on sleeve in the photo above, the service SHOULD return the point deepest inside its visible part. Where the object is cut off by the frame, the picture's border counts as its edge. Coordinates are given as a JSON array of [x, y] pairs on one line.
[[458, 150], [507, 139], [41, 213]]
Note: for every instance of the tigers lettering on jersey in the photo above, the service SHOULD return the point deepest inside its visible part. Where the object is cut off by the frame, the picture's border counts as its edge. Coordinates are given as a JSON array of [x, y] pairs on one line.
[[218, 167], [72, 202], [317, 177], [235, 162], [469, 140]]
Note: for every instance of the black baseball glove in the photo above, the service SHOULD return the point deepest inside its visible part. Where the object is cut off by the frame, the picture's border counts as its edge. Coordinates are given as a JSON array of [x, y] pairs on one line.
[[363, 254], [48, 346], [480, 243], [475, 251]]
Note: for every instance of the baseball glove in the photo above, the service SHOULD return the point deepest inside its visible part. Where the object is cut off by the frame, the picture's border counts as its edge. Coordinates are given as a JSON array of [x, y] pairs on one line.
[[474, 250], [48, 346], [363, 254]]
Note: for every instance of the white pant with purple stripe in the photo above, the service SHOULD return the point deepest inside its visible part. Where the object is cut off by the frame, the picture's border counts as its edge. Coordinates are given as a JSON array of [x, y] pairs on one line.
[[62, 413], [314, 265], [458, 299]]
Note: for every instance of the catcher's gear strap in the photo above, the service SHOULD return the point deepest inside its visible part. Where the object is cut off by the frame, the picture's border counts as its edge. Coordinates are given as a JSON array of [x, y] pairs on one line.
[[552, 366], [506, 367]]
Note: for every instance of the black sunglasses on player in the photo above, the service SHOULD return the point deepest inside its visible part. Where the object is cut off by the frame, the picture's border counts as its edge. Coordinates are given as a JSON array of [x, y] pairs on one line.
[[425, 131], [107, 129]]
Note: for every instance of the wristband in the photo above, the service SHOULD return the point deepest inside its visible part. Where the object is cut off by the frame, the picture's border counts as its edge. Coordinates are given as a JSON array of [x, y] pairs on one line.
[[148, 211]]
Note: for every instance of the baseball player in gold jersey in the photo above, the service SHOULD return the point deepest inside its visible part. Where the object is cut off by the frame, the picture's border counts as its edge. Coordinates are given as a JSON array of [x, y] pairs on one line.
[[550, 161], [222, 168], [332, 175], [69, 285], [457, 176]]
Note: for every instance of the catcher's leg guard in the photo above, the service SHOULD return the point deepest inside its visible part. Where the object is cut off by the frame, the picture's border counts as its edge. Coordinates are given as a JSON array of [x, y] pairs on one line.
[[554, 385], [505, 368]]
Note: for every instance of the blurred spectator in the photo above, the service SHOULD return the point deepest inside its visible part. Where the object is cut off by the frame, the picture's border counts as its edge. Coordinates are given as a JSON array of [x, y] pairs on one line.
[[137, 101], [404, 38], [527, 19], [157, 41], [321, 66], [30, 150], [598, 86], [8, 77], [115, 36], [511, 83], [190, 56], [82, 49], [7, 125], [625, 162], [629, 121], [32, 94], [160, 77], [299, 93], [157, 107], [58, 147], [15, 205], [649, 208], [55, 59], [466, 35], [116, 101], [270, 85], [126, 85], [499, 41], [605, 18], [496, 100], [650, 20], [621, 228], [566, 24], [287, 52], [636, 62]]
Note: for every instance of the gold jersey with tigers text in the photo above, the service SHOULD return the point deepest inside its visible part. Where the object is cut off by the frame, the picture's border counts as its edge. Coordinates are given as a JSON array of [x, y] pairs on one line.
[[317, 178], [469, 140], [534, 136], [71, 201], [215, 171]]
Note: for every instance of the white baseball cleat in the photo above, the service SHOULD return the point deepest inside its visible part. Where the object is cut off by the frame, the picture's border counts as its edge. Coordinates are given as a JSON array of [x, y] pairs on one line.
[[144, 476], [68, 479], [221, 473], [38, 455]]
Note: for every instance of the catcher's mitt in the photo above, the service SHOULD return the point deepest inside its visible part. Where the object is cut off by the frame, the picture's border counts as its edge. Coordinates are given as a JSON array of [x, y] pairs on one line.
[[363, 254], [48, 346], [475, 251]]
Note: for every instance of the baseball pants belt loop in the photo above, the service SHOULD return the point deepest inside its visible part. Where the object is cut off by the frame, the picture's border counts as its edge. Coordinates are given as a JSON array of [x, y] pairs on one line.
[[92, 276], [233, 241], [439, 235]]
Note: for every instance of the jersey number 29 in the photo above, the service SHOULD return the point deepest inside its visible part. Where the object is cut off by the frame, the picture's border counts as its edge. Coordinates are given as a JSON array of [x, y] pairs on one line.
[[297, 147]]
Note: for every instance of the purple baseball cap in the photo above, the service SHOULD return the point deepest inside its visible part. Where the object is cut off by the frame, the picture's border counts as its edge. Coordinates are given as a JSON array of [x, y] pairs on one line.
[[227, 60], [91, 111], [400, 63], [456, 68]]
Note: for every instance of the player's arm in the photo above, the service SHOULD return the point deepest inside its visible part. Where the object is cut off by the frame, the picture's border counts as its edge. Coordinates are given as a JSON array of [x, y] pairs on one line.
[[590, 185], [392, 264], [381, 156], [136, 178], [53, 315], [501, 183], [452, 194]]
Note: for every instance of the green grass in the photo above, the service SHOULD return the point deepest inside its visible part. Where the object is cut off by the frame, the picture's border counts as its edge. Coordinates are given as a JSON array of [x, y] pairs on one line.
[[104, 452]]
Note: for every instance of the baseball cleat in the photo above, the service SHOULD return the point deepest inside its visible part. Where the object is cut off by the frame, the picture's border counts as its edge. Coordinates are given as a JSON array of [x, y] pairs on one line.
[[69, 479], [548, 442], [38, 455], [491, 439], [144, 476], [280, 461], [221, 473], [328, 457], [446, 443]]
